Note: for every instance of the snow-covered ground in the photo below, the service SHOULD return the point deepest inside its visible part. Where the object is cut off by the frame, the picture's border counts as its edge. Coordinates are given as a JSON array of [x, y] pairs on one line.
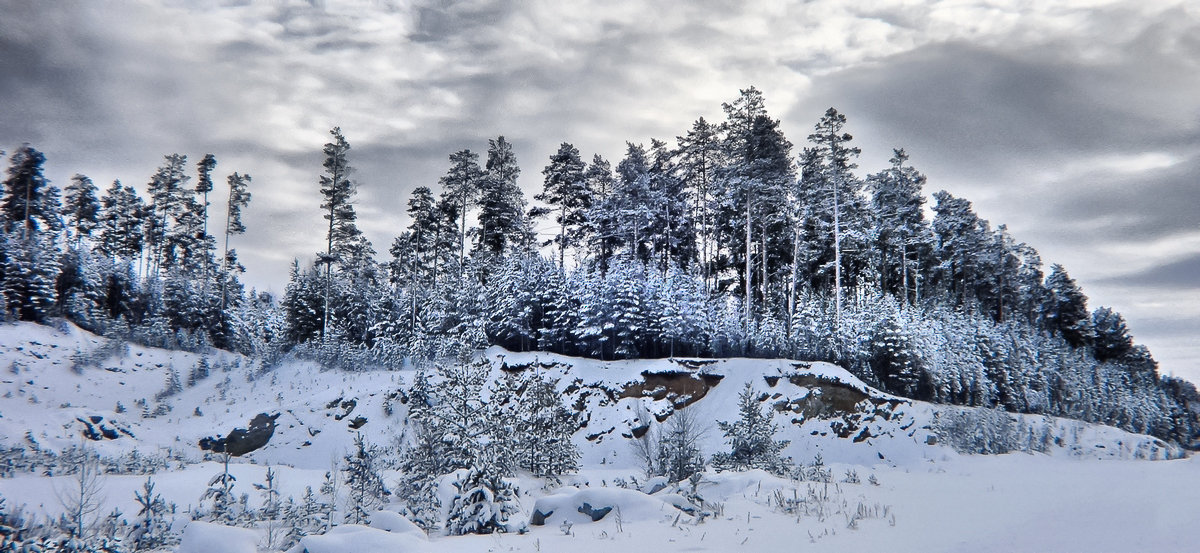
[[1092, 491]]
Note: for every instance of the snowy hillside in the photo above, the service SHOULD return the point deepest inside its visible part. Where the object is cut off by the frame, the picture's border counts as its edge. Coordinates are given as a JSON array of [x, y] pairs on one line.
[[56, 399], [882, 454]]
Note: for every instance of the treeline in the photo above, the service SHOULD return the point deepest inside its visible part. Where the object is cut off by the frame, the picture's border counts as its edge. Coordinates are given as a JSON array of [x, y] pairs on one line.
[[117, 263], [728, 242]]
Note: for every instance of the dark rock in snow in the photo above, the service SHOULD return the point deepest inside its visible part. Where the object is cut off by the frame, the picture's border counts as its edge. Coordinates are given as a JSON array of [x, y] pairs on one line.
[[243, 440], [596, 514], [539, 518]]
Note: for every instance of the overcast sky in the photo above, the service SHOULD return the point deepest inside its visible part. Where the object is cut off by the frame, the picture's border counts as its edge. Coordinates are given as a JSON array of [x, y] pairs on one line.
[[1075, 123]]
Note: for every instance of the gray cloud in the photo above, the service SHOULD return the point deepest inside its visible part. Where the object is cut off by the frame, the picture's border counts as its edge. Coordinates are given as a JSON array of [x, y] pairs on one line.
[[1077, 126], [1178, 274]]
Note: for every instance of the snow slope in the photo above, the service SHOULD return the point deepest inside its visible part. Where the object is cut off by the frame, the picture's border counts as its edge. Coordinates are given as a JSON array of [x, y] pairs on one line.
[[821, 408], [1090, 493]]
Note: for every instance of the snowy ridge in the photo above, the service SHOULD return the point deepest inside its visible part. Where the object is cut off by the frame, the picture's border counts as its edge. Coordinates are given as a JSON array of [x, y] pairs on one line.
[[821, 408]]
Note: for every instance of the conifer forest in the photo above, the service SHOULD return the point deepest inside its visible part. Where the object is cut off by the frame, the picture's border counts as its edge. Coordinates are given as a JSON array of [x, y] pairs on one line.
[[728, 240]]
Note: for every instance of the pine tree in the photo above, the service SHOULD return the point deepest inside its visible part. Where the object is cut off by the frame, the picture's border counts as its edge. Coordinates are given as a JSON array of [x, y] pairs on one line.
[[503, 227], [602, 219], [1112, 336], [80, 206], [566, 191], [672, 228], [461, 188], [121, 222], [224, 508], [752, 439], [679, 454], [631, 203], [1066, 308], [423, 234], [239, 198], [543, 431], [363, 481], [699, 157], [834, 196], [900, 231], [168, 202], [28, 201], [753, 182], [271, 509], [204, 185], [345, 244]]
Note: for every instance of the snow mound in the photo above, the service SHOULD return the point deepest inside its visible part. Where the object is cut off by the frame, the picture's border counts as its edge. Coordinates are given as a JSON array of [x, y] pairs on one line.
[[357, 538], [206, 537], [395, 523], [719, 486], [579, 506]]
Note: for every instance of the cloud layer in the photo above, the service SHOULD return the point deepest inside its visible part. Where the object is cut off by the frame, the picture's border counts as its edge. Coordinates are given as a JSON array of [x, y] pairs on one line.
[[1076, 123]]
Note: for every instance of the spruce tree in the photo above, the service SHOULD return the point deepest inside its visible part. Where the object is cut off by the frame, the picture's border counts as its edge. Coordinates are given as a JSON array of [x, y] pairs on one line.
[[30, 272], [893, 359], [483, 501], [752, 439], [364, 483]]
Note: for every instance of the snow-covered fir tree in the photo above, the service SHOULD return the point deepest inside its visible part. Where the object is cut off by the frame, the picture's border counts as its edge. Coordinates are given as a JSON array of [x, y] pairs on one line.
[[152, 530], [751, 439], [364, 484]]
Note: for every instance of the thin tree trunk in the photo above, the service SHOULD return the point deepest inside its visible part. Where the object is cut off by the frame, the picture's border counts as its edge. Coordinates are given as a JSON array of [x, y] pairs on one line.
[[749, 271], [837, 256]]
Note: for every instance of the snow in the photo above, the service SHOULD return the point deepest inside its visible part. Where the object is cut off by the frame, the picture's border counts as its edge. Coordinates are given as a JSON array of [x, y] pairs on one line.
[[626, 504], [359, 539], [1089, 493], [395, 523], [206, 537]]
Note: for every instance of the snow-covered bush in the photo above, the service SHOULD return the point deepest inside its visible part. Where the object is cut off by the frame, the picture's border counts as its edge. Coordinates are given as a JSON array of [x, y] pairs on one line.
[[482, 500]]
